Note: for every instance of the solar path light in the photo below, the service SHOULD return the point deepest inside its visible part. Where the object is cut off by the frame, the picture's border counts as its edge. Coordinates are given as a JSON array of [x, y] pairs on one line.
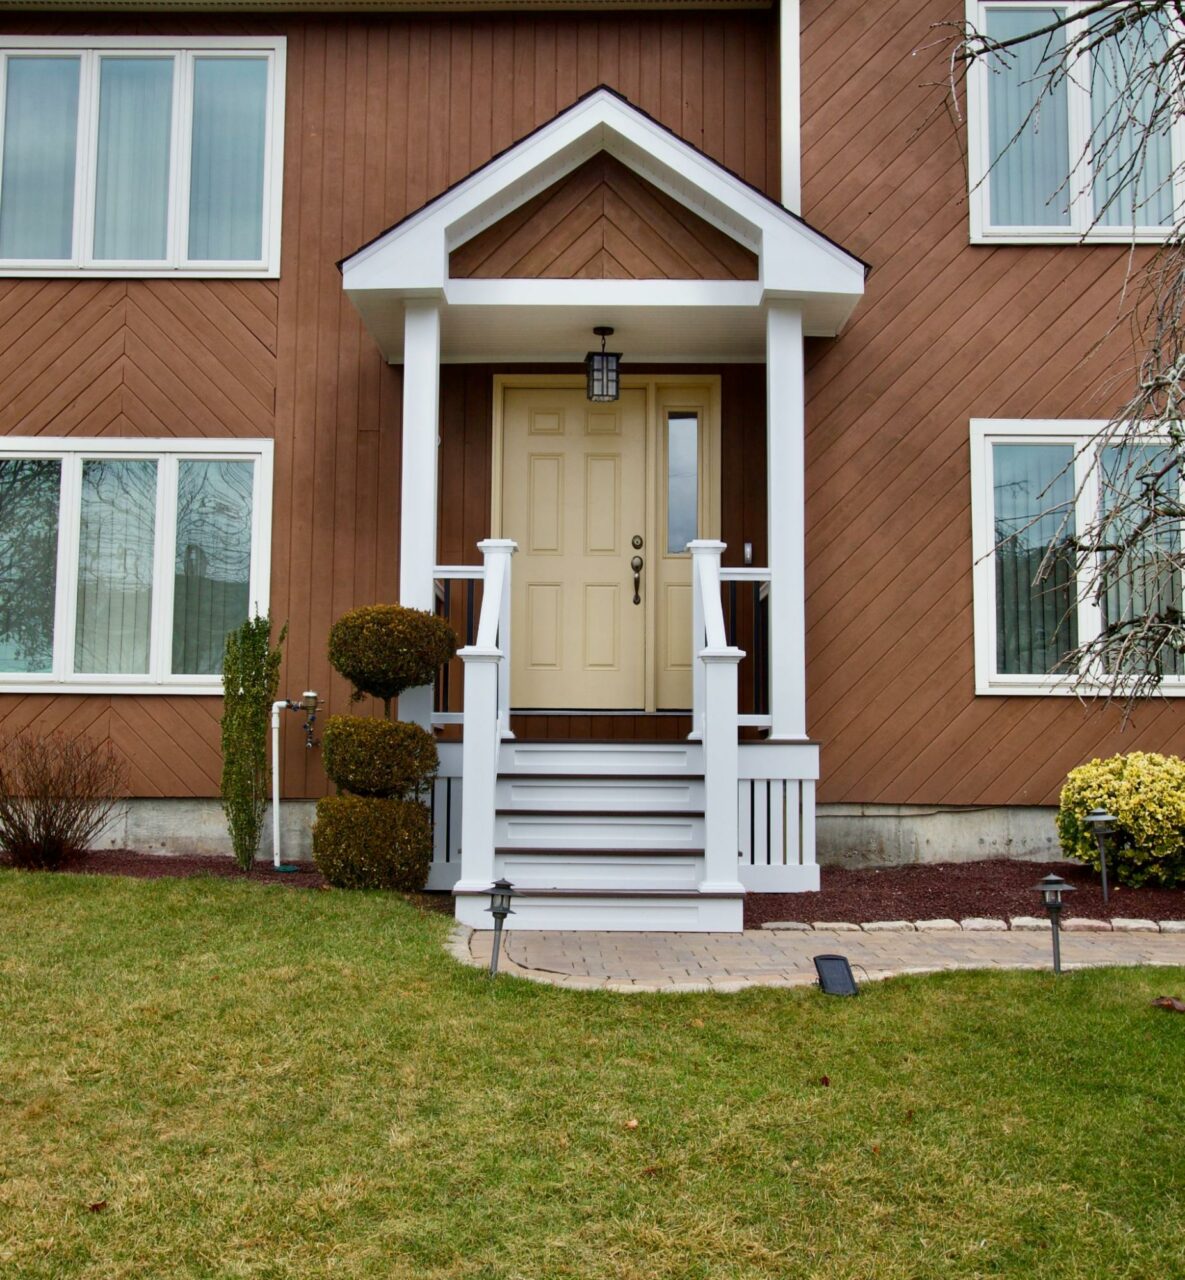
[[1103, 825], [1052, 888], [501, 891]]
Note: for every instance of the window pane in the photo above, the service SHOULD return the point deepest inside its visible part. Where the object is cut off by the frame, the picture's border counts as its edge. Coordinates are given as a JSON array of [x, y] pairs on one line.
[[29, 493], [226, 176], [115, 561], [213, 561], [682, 480], [40, 142], [132, 191], [1141, 486], [1036, 621], [1030, 158], [1132, 182]]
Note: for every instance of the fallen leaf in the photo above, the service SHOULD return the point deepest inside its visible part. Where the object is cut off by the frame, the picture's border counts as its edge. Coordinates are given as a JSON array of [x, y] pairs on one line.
[[825, 1081], [875, 1149], [631, 1124], [1169, 1002], [697, 1022], [651, 1170], [97, 1206]]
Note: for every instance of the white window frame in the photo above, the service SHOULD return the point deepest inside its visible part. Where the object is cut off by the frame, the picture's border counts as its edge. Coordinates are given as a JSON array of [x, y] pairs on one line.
[[1079, 188], [167, 454], [184, 51], [1084, 435]]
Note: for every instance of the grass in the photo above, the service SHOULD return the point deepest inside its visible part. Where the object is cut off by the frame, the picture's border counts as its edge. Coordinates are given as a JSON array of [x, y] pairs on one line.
[[212, 1079]]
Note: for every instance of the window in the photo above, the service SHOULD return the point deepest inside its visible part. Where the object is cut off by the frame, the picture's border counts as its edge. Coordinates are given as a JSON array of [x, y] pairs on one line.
[[124, 563], [1039, 169], [1034, 486], [140, 157]]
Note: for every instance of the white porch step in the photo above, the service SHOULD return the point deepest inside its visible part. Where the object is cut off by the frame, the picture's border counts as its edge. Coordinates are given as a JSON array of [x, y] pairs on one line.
[[635, 793], [614, 759], [588, 870], [594, 829], [633, 910]]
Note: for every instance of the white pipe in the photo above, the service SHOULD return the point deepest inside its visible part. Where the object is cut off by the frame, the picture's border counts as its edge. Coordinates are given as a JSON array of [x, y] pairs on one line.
[[277, 707]]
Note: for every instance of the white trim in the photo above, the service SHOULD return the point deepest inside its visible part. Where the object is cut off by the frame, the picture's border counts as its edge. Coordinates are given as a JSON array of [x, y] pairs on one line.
[[184, 51], [986, 432], [1078, 191], [167, 453], [790, 113]]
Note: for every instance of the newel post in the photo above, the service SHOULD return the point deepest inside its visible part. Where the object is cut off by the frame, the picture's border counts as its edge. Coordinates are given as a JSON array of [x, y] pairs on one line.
[[721, 766], [709, 550], [500, 550], [479, 766]]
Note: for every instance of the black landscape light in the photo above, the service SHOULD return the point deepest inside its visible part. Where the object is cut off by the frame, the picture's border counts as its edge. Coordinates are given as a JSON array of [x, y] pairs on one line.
[[1052, 889], [835, 976], [1103, 825], [601, 367], [501, 891]]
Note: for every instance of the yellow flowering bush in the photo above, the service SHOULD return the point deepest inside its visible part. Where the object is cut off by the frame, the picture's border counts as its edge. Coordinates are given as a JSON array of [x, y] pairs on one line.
[[1146, 794]]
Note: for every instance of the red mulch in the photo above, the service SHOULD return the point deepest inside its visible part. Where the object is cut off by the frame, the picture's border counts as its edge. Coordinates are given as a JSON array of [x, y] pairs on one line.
[[955, 890], [931, 891]]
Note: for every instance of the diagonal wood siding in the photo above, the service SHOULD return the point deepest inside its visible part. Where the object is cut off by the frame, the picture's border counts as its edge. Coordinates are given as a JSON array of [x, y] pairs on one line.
[[603, 222], [382, 113], [946, 332]]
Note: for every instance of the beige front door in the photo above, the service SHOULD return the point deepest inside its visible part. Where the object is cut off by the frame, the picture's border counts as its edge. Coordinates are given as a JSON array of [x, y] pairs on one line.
[[585, 489]]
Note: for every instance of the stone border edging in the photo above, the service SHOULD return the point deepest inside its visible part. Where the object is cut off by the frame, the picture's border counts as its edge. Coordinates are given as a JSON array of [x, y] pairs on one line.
[[980, 924]]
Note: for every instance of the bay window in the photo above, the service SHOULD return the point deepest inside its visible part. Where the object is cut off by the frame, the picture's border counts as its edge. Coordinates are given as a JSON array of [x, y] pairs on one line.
[[1091, 151], [1037, 486], [140, 156], [124, 563]]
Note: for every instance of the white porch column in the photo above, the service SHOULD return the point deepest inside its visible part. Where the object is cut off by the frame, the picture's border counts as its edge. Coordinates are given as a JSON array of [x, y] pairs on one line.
[[417, 511], [785, 458]]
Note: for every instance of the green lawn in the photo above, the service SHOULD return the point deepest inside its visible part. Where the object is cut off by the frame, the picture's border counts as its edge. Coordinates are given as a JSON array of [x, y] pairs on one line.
[[260, 1082]]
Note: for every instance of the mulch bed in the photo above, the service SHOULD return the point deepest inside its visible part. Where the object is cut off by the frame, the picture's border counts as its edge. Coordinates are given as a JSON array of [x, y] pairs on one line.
[[948, 890], [956, 890]]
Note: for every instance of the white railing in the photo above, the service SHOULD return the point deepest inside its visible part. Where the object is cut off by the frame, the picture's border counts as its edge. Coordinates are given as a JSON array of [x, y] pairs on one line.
[[444, 576], [487, 714], [759, 580], [714, 689]]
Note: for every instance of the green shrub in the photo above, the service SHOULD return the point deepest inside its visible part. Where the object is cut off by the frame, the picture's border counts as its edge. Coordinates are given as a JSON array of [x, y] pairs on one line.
[[361, 842], [378, 757], [1146, 794], [383, 649], [57, 793], [250, 679]]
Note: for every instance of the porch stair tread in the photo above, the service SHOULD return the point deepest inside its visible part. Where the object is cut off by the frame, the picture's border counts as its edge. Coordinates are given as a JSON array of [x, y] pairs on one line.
[[632, 814], [528, 892], [537, 851]]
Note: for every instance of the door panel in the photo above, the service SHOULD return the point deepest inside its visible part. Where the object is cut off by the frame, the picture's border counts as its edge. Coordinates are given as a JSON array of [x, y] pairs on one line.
[[573, 495]]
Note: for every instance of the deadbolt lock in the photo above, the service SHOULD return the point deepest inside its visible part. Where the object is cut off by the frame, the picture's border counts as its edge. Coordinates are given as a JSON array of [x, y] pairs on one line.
[[636, 542]]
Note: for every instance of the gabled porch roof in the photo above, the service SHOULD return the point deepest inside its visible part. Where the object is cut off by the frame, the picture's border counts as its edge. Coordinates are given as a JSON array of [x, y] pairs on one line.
[[509, 319]]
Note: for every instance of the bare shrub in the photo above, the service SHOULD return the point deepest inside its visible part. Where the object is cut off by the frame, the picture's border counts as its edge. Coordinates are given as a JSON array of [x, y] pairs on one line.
[[57, 793]]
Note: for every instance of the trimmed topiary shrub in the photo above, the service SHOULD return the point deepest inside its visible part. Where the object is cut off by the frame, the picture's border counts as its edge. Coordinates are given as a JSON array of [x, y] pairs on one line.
[[1146, 794], [382, 649], [362, 842], [378, 757]]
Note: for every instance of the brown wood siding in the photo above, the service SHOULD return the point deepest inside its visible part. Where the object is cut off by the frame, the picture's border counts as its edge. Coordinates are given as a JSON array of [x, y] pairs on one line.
[[947, 332], [603, 222], [383, 112]]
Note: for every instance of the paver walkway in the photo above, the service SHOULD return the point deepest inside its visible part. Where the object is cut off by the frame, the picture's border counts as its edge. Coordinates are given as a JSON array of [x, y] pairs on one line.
[[731, 961]]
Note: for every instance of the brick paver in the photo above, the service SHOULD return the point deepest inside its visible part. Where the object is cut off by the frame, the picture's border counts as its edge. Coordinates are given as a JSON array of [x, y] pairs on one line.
[[732, 961]]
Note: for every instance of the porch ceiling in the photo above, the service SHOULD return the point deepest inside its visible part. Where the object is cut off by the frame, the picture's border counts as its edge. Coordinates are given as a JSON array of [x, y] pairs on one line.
[[516, 319]]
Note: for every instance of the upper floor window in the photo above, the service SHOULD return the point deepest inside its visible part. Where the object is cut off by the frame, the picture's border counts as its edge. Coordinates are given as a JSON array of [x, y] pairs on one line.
[[1071, 133], [125, 562], [1036, 489], [140, 156]]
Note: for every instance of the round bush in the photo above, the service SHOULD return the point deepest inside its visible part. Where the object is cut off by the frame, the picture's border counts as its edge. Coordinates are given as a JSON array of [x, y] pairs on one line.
[[382, 649], [378, 757], [361, 842], [1146, 794]]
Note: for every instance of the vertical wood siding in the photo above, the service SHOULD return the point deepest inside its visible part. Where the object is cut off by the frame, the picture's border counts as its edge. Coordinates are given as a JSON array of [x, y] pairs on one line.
[[946, 332], [382, 113]]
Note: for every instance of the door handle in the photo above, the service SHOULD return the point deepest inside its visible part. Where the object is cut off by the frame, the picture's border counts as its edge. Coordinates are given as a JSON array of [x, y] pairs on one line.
[[636, 566]]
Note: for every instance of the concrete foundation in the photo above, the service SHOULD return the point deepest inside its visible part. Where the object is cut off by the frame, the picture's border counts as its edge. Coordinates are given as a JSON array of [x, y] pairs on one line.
[[199, 827], [849, 835], [892, 835]]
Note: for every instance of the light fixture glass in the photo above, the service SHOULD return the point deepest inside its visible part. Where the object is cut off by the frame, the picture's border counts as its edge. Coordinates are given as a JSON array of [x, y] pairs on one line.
[[604, 383]]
